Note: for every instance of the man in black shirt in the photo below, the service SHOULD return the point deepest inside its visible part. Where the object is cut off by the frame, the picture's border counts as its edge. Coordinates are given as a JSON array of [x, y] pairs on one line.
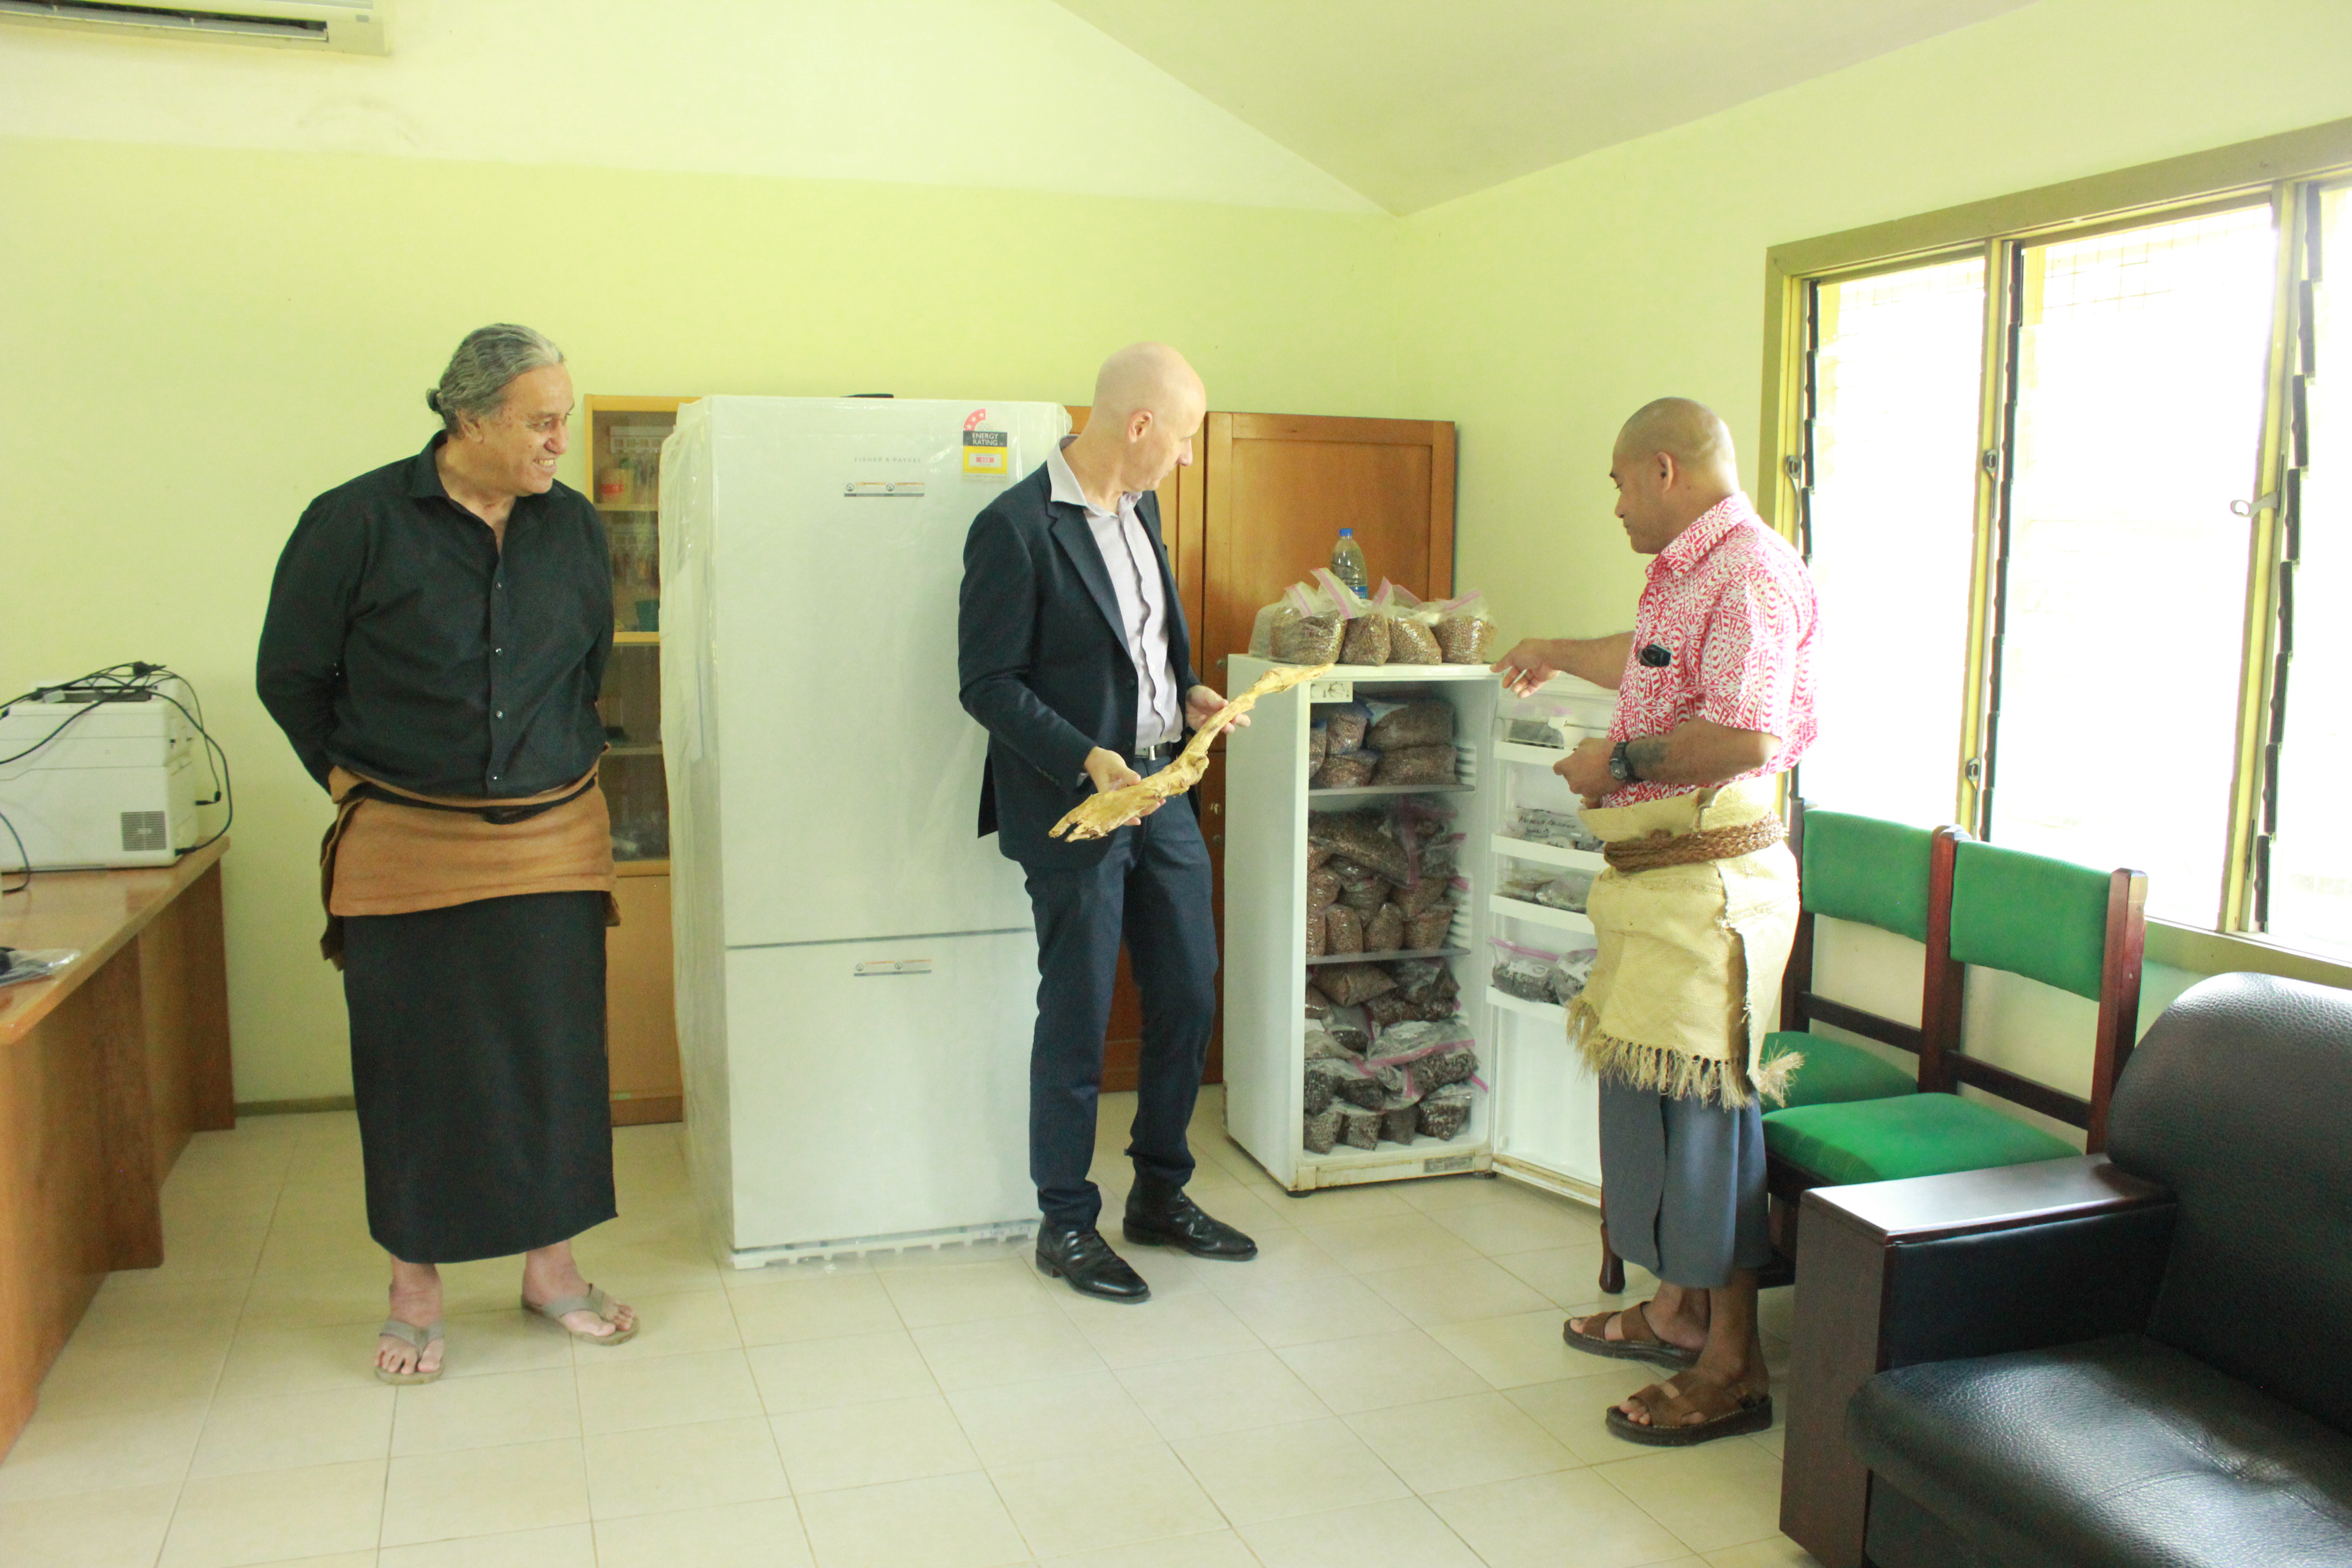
[[437, 634]]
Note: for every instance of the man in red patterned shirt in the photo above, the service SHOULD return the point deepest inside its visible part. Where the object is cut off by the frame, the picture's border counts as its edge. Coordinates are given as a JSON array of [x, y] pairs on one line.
[[1695, 914]]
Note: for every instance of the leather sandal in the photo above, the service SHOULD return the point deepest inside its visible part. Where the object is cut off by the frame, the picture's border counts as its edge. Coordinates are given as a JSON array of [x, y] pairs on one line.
[[1639, 1342], [1722, 1413], [595, 1301], [418, 1340]]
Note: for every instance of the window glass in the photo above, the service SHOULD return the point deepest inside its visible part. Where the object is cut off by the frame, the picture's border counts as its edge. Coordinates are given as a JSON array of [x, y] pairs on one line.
[[2141, 372], [1896, 383], [2310, 901]]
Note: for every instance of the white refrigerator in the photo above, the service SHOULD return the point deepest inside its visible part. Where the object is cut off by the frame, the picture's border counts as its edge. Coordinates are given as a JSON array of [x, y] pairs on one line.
[[857, 970]]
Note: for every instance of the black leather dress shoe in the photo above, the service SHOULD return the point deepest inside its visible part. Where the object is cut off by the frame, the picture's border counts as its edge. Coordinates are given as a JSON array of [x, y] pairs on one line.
[[1079, 1255], [1164, 1216]]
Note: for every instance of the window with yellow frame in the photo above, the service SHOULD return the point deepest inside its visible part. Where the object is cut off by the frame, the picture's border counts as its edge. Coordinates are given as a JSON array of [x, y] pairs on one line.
[[2080, 511]]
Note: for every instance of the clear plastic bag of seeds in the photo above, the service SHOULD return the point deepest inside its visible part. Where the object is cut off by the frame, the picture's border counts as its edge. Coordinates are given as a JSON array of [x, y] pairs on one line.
[[1416, 765], [1353, 984], [1522, 972], [1384, 932], [1569, 973], [1348, 770], [1422, 722], [1400, 1118], [1430, 929], [1424, 979], [1444, 1113], [1322, 1046], [1345, 725], [1322, 1130], [1324, 1076], [1364, 632], [1412, 638], [1465, 635], [1343, 931], [1360, 1125]]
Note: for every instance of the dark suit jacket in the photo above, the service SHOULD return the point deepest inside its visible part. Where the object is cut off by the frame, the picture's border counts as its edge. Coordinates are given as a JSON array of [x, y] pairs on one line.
[[1043, 662]]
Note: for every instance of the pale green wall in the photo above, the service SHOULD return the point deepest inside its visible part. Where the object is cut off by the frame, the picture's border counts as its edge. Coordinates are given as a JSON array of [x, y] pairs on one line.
[[1546, 310], [194, 343]]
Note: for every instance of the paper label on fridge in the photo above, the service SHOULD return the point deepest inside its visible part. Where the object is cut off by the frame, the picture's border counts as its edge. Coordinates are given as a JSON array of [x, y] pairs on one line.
[[988, 454]]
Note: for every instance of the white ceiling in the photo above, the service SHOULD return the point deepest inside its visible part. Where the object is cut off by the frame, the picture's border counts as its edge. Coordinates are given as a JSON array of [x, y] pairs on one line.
[[1416, 103], [1338, 105], [986, 93]]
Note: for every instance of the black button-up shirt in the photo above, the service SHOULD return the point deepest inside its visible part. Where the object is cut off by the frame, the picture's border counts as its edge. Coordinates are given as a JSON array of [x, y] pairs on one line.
[[403, 644]]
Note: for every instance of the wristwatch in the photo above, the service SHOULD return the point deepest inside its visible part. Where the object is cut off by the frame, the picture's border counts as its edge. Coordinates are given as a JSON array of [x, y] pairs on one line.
[[1620, 766]]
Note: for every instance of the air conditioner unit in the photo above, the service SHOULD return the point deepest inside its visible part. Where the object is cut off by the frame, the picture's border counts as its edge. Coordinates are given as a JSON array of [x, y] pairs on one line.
[[342, 27]]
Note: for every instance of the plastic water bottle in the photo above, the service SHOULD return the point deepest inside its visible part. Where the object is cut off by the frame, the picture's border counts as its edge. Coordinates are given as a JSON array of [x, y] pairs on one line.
[[1347, 563]]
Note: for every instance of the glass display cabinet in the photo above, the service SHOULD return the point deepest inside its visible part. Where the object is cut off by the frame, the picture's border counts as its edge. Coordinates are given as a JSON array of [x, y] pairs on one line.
[[624, 479]]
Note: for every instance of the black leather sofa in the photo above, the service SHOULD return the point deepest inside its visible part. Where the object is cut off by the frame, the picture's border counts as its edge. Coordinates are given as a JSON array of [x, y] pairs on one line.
[[2140, 1359]]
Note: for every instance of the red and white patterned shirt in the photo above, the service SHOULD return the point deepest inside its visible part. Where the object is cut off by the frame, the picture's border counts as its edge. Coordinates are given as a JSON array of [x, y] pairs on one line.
[[1730, 601]]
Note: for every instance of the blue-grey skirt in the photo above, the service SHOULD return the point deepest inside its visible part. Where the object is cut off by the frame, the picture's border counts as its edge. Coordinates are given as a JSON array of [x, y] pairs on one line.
[[1683, 1186]]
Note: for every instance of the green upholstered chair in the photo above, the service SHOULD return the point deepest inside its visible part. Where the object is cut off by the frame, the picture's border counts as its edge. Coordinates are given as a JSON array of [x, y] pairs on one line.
[[2065, 925], [1871, 872]]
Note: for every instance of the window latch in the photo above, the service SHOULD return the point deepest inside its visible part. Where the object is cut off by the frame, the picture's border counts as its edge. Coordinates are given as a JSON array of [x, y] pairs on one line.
[[2262, 502], [1990, 461], [1973, 770]]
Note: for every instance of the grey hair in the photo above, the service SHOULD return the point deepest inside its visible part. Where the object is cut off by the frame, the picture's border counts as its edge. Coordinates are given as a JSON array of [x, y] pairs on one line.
[[474, 384]]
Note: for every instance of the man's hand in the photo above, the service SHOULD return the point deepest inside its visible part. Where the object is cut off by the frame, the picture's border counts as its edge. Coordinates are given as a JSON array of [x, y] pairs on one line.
[[1526, 666], [1109, 771], [1201, 704], [1585, 769]]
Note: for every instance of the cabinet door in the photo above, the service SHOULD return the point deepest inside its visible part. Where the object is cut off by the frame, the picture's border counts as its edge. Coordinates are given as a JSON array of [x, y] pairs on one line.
[[1280, 487], [640, 1019]]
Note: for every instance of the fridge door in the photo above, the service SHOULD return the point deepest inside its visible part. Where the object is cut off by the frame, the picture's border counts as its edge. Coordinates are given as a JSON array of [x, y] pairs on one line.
[[851, 787], [880, 1093]]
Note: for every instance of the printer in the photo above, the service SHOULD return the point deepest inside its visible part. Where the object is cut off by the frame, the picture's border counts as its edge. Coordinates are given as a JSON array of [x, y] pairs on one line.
[[96, 777]]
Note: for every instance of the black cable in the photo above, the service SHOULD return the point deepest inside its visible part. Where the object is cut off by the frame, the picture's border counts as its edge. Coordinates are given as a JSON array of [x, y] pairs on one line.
[[21, 855]]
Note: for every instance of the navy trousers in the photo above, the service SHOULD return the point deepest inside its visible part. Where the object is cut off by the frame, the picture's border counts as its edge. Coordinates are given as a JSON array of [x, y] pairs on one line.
[[1151, 889]]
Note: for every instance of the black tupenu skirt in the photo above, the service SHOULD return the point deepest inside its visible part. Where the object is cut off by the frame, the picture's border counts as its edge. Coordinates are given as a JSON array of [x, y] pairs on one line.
[[477, 1061]]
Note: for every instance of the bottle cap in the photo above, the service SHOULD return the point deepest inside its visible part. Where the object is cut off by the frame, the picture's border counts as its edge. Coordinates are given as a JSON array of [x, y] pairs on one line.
[[1347, 533]]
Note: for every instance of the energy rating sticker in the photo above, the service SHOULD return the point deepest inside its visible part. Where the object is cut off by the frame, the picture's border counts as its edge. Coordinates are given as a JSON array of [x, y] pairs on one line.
[[988, 453]]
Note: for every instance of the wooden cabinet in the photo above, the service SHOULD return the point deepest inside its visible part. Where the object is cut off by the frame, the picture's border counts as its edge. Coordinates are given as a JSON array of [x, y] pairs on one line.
[[623, 461], [1259, 508], [1280, 486]]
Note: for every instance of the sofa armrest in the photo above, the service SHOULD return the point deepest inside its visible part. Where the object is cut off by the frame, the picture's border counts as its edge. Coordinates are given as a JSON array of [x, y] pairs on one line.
[[1973, 1263]]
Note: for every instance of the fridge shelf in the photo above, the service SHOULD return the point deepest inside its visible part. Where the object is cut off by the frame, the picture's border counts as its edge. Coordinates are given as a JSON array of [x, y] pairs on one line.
[[1550, 1012], [1549, 854], [1520, 751], [1386, 957], [1540, 914], [1357, 790]]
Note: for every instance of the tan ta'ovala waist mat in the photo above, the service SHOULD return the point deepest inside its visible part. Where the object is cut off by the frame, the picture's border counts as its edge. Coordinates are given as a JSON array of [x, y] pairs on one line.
[[393, 852]]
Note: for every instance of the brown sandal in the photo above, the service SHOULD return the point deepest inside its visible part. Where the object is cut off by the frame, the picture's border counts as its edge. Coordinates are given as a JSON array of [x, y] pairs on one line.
[[1721, 1413], [1638, 1340]]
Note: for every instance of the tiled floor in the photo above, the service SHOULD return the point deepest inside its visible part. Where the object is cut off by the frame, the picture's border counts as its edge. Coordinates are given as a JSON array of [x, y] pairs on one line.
[[1384, 1387]]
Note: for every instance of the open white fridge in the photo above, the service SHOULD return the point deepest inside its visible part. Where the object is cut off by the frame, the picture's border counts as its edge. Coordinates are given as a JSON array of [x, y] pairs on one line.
[[1536, 1117], [857, 970]]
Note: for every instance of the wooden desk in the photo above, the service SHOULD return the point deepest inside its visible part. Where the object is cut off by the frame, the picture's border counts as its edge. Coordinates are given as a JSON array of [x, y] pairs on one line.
[[105, 1072]]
